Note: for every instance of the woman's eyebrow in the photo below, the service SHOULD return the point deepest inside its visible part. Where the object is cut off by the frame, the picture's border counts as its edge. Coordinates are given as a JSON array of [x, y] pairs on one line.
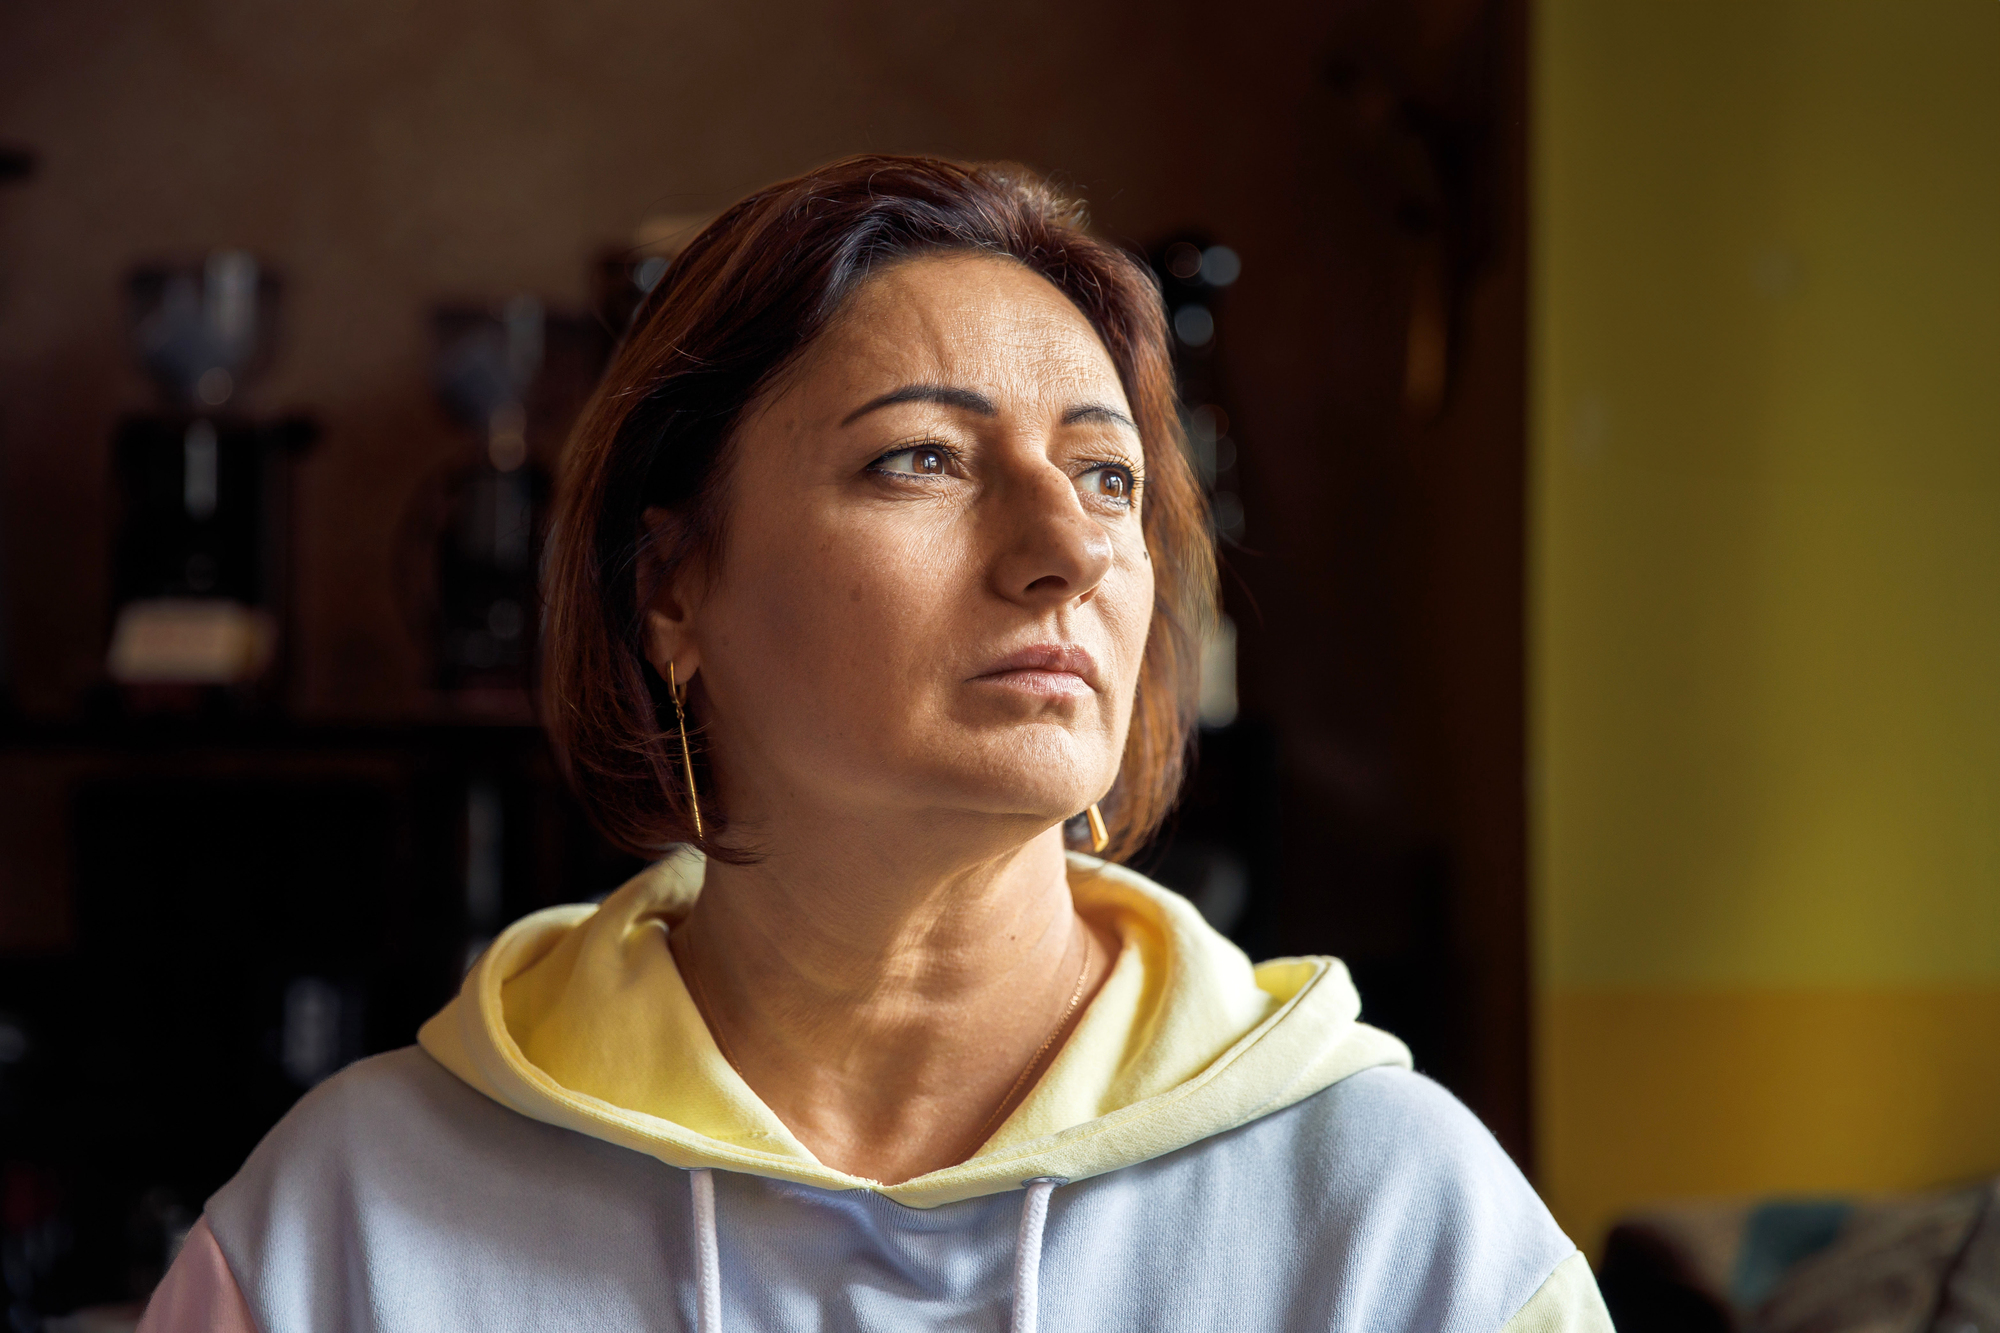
[[927, 393], [1098, 412]]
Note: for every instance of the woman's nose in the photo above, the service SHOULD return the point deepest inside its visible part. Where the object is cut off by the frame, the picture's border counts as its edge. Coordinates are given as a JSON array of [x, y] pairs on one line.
[[1051, 550]]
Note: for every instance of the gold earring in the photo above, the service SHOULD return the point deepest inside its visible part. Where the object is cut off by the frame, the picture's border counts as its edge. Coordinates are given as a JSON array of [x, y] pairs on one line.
[[1099, 839], [687, 760]]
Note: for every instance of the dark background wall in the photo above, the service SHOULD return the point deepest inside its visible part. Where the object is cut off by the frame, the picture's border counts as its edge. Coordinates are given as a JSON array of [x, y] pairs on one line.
[[1363, 156]]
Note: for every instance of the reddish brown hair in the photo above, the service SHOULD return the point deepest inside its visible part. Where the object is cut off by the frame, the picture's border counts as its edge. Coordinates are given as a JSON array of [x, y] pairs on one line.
[[732, 311]]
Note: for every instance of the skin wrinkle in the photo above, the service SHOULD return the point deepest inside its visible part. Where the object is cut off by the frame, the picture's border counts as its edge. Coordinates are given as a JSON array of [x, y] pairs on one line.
[[906, 941]]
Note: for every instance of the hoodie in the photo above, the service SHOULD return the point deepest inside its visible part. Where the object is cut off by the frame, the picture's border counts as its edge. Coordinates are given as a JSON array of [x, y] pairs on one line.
[[1217, 1145]]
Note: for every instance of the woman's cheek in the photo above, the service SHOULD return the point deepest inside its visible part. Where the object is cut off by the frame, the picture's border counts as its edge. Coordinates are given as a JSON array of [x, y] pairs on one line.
[[1134, 619], [873, 600]]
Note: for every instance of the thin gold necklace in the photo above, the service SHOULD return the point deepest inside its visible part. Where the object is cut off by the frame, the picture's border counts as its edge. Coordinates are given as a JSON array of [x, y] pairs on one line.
[[1033, 1065]]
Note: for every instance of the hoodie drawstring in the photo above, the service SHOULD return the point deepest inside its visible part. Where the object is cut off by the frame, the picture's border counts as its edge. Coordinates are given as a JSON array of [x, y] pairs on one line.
[[1028, 1252], [707, 1255]]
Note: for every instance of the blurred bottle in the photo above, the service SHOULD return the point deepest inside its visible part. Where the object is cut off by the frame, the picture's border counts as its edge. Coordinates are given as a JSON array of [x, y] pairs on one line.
[[514, 376], [201, 555], [488, 544]]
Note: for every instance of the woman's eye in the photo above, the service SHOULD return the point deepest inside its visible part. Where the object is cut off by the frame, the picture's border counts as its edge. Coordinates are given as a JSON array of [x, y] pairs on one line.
[[1110, 481], [922, 461]]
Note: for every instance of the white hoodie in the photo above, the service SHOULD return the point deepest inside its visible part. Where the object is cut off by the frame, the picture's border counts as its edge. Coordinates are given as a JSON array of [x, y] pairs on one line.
[[1216, 1146]]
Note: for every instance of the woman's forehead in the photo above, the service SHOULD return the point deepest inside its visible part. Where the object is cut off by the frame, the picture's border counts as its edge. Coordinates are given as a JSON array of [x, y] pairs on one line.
[[978, 321]]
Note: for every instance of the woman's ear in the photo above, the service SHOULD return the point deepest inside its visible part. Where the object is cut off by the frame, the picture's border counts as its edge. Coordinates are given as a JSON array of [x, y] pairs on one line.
[[663, 600]]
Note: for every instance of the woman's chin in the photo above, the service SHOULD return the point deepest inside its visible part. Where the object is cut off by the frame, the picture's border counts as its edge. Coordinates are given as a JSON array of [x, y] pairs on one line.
[[1023, 804]]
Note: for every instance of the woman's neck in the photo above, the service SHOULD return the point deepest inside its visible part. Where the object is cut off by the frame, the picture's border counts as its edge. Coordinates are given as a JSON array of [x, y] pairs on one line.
[[890, 1014]]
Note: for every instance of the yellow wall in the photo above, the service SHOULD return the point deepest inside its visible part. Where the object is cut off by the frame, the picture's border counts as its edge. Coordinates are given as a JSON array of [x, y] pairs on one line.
[[1766, 586]]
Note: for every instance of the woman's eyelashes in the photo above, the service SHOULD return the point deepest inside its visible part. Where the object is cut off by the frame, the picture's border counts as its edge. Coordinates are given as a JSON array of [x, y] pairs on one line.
[[919, 460]]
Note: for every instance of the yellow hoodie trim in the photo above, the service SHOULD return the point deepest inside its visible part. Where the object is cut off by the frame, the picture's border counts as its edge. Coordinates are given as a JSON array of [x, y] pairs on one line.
[[577, 1017]]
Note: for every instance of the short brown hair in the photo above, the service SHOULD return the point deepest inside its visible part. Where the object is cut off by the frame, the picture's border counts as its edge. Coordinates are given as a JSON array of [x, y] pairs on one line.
[[732, 311]]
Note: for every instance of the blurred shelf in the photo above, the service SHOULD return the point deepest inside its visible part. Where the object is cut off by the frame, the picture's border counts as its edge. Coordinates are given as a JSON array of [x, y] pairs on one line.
[[163, 735]]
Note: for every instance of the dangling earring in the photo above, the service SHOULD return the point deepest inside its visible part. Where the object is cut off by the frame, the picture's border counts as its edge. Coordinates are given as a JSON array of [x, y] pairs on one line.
[[1099, 839], [687, 760]]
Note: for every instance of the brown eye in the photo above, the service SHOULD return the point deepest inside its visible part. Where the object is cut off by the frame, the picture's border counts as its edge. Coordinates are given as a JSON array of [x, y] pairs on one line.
[[1111, 482], [922, 461]]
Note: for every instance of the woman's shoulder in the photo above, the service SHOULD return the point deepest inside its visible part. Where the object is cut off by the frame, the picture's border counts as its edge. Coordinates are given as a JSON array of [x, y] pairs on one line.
[[379, 1117], [1397, 1207], [1399, 1145], [436, 1192], [402, 1124], [1406, 1125]]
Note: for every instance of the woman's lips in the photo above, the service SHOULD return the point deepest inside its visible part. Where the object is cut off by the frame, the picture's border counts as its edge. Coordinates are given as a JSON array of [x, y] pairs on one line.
[[1053, 669], [1055, 684]]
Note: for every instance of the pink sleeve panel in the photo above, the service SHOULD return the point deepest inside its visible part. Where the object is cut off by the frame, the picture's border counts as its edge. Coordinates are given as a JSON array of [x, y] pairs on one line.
[[199, 1294]]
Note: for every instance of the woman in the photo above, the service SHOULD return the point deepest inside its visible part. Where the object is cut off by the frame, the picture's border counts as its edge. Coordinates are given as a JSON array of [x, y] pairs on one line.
[[879, 561]]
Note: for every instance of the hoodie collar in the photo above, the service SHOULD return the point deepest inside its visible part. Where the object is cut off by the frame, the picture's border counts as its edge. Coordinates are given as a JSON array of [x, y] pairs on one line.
[[577, 1016]]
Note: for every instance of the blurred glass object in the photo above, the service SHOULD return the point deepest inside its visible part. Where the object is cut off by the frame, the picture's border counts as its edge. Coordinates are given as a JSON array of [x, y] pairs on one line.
[[201, 556], [1218, 674], [1219, 266], [1219, 850], [487, 362], [1194, 325], [1205, 426], [479, 523], [1194, 272], [310, 1039], [204, 329], [468, 548], [1226, 512]]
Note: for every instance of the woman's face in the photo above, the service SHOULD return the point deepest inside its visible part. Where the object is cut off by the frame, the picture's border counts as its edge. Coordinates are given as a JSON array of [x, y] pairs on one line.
[[933, 592]]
